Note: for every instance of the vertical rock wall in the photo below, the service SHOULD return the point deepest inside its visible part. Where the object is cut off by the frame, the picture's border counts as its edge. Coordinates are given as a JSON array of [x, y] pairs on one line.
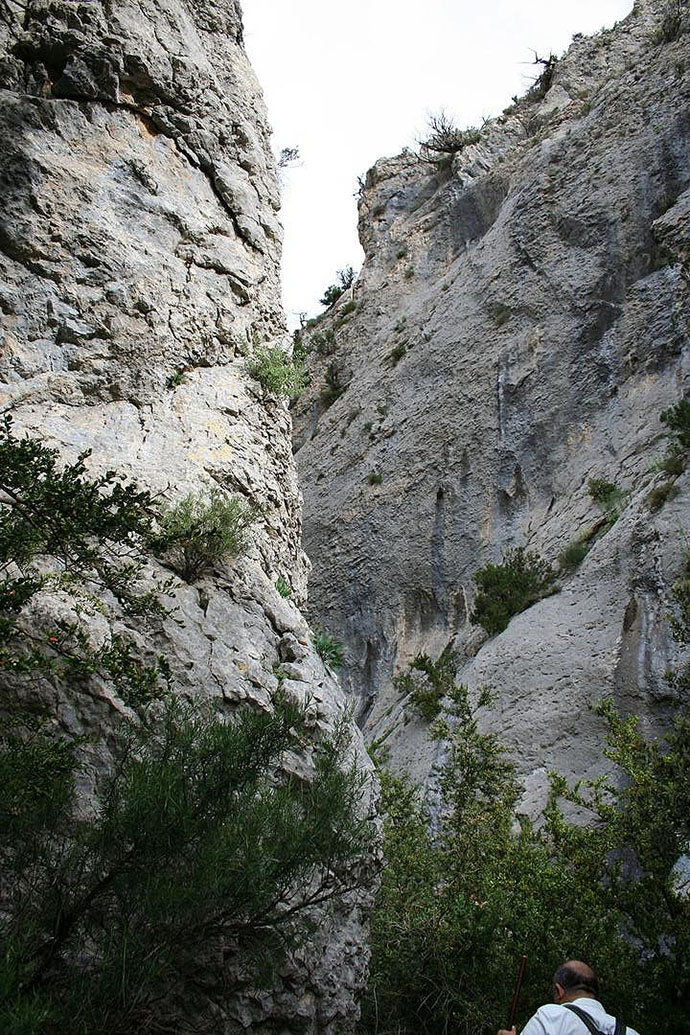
[[520, 321], [139, 263]]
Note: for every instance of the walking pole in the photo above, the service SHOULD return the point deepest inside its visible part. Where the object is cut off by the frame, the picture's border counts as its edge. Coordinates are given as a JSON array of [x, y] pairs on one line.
[[516, 994]]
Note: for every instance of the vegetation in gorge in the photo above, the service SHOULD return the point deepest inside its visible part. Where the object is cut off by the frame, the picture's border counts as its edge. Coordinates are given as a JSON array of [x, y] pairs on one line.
[[199, 530], [328, 649], [196, 835], [520, 580], [82, 540], [609, 498], [195, 856], [464, 896], [345, 278], [278, 374], [445, 139], [427, 682]]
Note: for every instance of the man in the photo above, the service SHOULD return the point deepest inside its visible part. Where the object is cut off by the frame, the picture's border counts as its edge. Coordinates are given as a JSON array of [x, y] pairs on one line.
[[573, 984]]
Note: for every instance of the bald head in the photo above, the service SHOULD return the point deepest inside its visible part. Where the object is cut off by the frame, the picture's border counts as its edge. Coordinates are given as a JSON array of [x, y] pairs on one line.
[[575, 979]]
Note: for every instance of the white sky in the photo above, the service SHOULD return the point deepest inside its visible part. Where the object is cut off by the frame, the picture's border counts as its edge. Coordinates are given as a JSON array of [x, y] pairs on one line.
[[351, 81]]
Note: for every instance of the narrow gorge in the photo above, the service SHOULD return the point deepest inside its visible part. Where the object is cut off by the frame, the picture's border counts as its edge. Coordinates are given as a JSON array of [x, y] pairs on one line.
[[194, 528], [518, 326]]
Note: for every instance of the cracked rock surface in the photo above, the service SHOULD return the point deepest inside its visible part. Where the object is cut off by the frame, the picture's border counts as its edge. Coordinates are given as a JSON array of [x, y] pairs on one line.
[[519, 323], [139, 264]]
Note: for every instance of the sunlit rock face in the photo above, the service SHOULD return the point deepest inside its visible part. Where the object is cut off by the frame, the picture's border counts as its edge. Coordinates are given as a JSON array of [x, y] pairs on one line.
[[139, 262], [519, 323]]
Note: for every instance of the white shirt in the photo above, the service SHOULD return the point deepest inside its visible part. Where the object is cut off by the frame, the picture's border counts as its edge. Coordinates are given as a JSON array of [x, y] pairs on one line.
[[556, 1020]]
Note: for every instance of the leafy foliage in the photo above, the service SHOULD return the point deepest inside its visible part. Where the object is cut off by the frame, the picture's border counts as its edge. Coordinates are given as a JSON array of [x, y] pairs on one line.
[[677, 420], [609, 498], [199, 530], [65, 532], [575, 553], [283, 587], [463, 897], [328, 649], [436, 680], [505, 589], [197, 834], [334, 386], [345, 279], [278, 374]]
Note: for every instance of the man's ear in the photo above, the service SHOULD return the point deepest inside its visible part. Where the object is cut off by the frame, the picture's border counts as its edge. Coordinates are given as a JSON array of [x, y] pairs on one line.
[[558, 992]]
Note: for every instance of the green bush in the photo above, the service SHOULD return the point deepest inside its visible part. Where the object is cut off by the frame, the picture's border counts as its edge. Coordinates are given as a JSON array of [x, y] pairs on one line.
[[324, 343], [677, 420], [200, 530], [197, 835], [283, 587], [397, 353], [437, 680], [61, 530], [278, 374], [464, 895], [345, 280], [328, 649], [334, 386], [575, 553], [375, 478], [674, 460], [660, 495], [609, 498], [505, 589]]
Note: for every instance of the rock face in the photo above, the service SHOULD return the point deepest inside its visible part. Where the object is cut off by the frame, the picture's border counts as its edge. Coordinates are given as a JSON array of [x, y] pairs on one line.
[[519, 323], [139, 256]]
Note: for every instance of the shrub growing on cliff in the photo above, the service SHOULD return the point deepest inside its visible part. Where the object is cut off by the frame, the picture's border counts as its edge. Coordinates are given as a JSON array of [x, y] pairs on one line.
[[677, 420], [609, 498], [328, 649], [436, 680], [505, 589], [445, 139], [278, 374], [200, 530], [463, 896], [82, 539], [345, 280], [197, 840]]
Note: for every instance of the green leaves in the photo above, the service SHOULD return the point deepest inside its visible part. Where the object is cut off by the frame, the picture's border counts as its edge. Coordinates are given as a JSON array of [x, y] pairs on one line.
[[200, 530], [278, 374], [328, 649], [505, 589], [469, 884], [198, 833], [64, 532]]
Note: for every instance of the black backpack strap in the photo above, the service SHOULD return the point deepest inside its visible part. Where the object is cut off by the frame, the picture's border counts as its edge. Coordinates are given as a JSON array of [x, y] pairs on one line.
[[586, 1019]]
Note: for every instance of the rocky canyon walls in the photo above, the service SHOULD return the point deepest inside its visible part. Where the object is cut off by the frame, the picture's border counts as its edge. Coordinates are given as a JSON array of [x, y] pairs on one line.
[[139, 264], [520, 321]]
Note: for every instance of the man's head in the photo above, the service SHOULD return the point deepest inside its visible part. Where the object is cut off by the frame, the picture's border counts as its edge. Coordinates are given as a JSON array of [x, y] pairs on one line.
[[573, 980]]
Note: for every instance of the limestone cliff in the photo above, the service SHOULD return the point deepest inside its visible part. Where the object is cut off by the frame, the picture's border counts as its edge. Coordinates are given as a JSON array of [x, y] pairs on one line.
[[139, 256], [519, 323]]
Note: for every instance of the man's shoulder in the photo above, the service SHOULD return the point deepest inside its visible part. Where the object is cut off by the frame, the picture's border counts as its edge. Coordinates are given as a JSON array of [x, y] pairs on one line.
[[547, 1020], [554, 1019]]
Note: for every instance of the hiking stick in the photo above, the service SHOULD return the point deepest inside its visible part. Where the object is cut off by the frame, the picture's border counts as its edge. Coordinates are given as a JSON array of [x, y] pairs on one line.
[[516, 994]]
